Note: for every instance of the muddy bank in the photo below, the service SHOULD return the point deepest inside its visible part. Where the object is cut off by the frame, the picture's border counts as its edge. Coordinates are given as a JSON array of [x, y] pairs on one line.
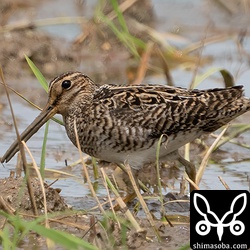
[[14, 192], [95, 51], [96, 229]]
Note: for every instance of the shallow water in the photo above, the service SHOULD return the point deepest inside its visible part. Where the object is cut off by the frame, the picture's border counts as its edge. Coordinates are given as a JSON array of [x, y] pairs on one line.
[[224, 54]]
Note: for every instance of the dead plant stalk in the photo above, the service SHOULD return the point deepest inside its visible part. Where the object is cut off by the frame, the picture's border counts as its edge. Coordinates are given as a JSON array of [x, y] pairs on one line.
[[25, 168], [207, 155]]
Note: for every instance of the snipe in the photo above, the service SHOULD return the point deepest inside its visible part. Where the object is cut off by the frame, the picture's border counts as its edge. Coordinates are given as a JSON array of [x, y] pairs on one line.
[[119, 124]]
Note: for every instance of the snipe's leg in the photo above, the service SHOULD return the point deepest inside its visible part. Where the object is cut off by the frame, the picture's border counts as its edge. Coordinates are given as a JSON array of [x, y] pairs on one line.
[[190, 170], [123, 181]]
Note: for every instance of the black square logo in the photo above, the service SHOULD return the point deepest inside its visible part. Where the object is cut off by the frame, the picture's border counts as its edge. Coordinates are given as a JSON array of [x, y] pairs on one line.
[[220, 219]]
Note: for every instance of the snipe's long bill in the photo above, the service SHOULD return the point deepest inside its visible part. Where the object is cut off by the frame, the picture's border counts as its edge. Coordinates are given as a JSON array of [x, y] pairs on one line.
[[118, 124]]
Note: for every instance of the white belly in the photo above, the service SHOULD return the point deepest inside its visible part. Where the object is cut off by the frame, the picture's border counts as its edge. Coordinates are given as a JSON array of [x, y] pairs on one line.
[[137, 159]]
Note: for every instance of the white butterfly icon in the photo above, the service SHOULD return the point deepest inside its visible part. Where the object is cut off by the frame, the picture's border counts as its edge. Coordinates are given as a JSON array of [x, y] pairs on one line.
[[203, 227]]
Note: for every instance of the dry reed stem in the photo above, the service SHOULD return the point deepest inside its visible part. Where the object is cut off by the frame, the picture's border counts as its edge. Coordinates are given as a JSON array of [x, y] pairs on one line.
[[224, 183], [60, 220], [86, 171], [6, 207], [140, 198], [231, 136], [19, 165], [174, 201], [163, 212], [185, 176], [207, 155], [109, 198], [103, 204], [73, 164], [93, 235], [112, 15], [144, 61], [187, 151], [41, 22], [50, 243], [165, 67], [204, 42], [155, 35], [123, 206], [40, 180], [195, 185], [21, 149]]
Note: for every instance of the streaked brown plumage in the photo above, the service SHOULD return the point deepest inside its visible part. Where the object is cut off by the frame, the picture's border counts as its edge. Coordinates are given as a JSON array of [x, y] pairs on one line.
[[119, 124]]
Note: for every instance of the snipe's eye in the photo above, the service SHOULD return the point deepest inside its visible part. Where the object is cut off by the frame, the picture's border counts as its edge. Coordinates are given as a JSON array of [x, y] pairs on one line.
[[66, 84]]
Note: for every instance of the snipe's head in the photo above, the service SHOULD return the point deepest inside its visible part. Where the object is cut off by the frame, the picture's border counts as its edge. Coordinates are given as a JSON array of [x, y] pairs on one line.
[[69, 89], [64, 91]]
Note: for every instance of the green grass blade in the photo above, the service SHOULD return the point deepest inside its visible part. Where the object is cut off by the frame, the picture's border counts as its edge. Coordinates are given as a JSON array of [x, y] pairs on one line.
[[6, 242], [38, 74], [158, 148], [226, 75], [43, 154], [66, 240], [235, 131], [121, 30], [120, 16], [22, 228], [122, 36], [44, 84]]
